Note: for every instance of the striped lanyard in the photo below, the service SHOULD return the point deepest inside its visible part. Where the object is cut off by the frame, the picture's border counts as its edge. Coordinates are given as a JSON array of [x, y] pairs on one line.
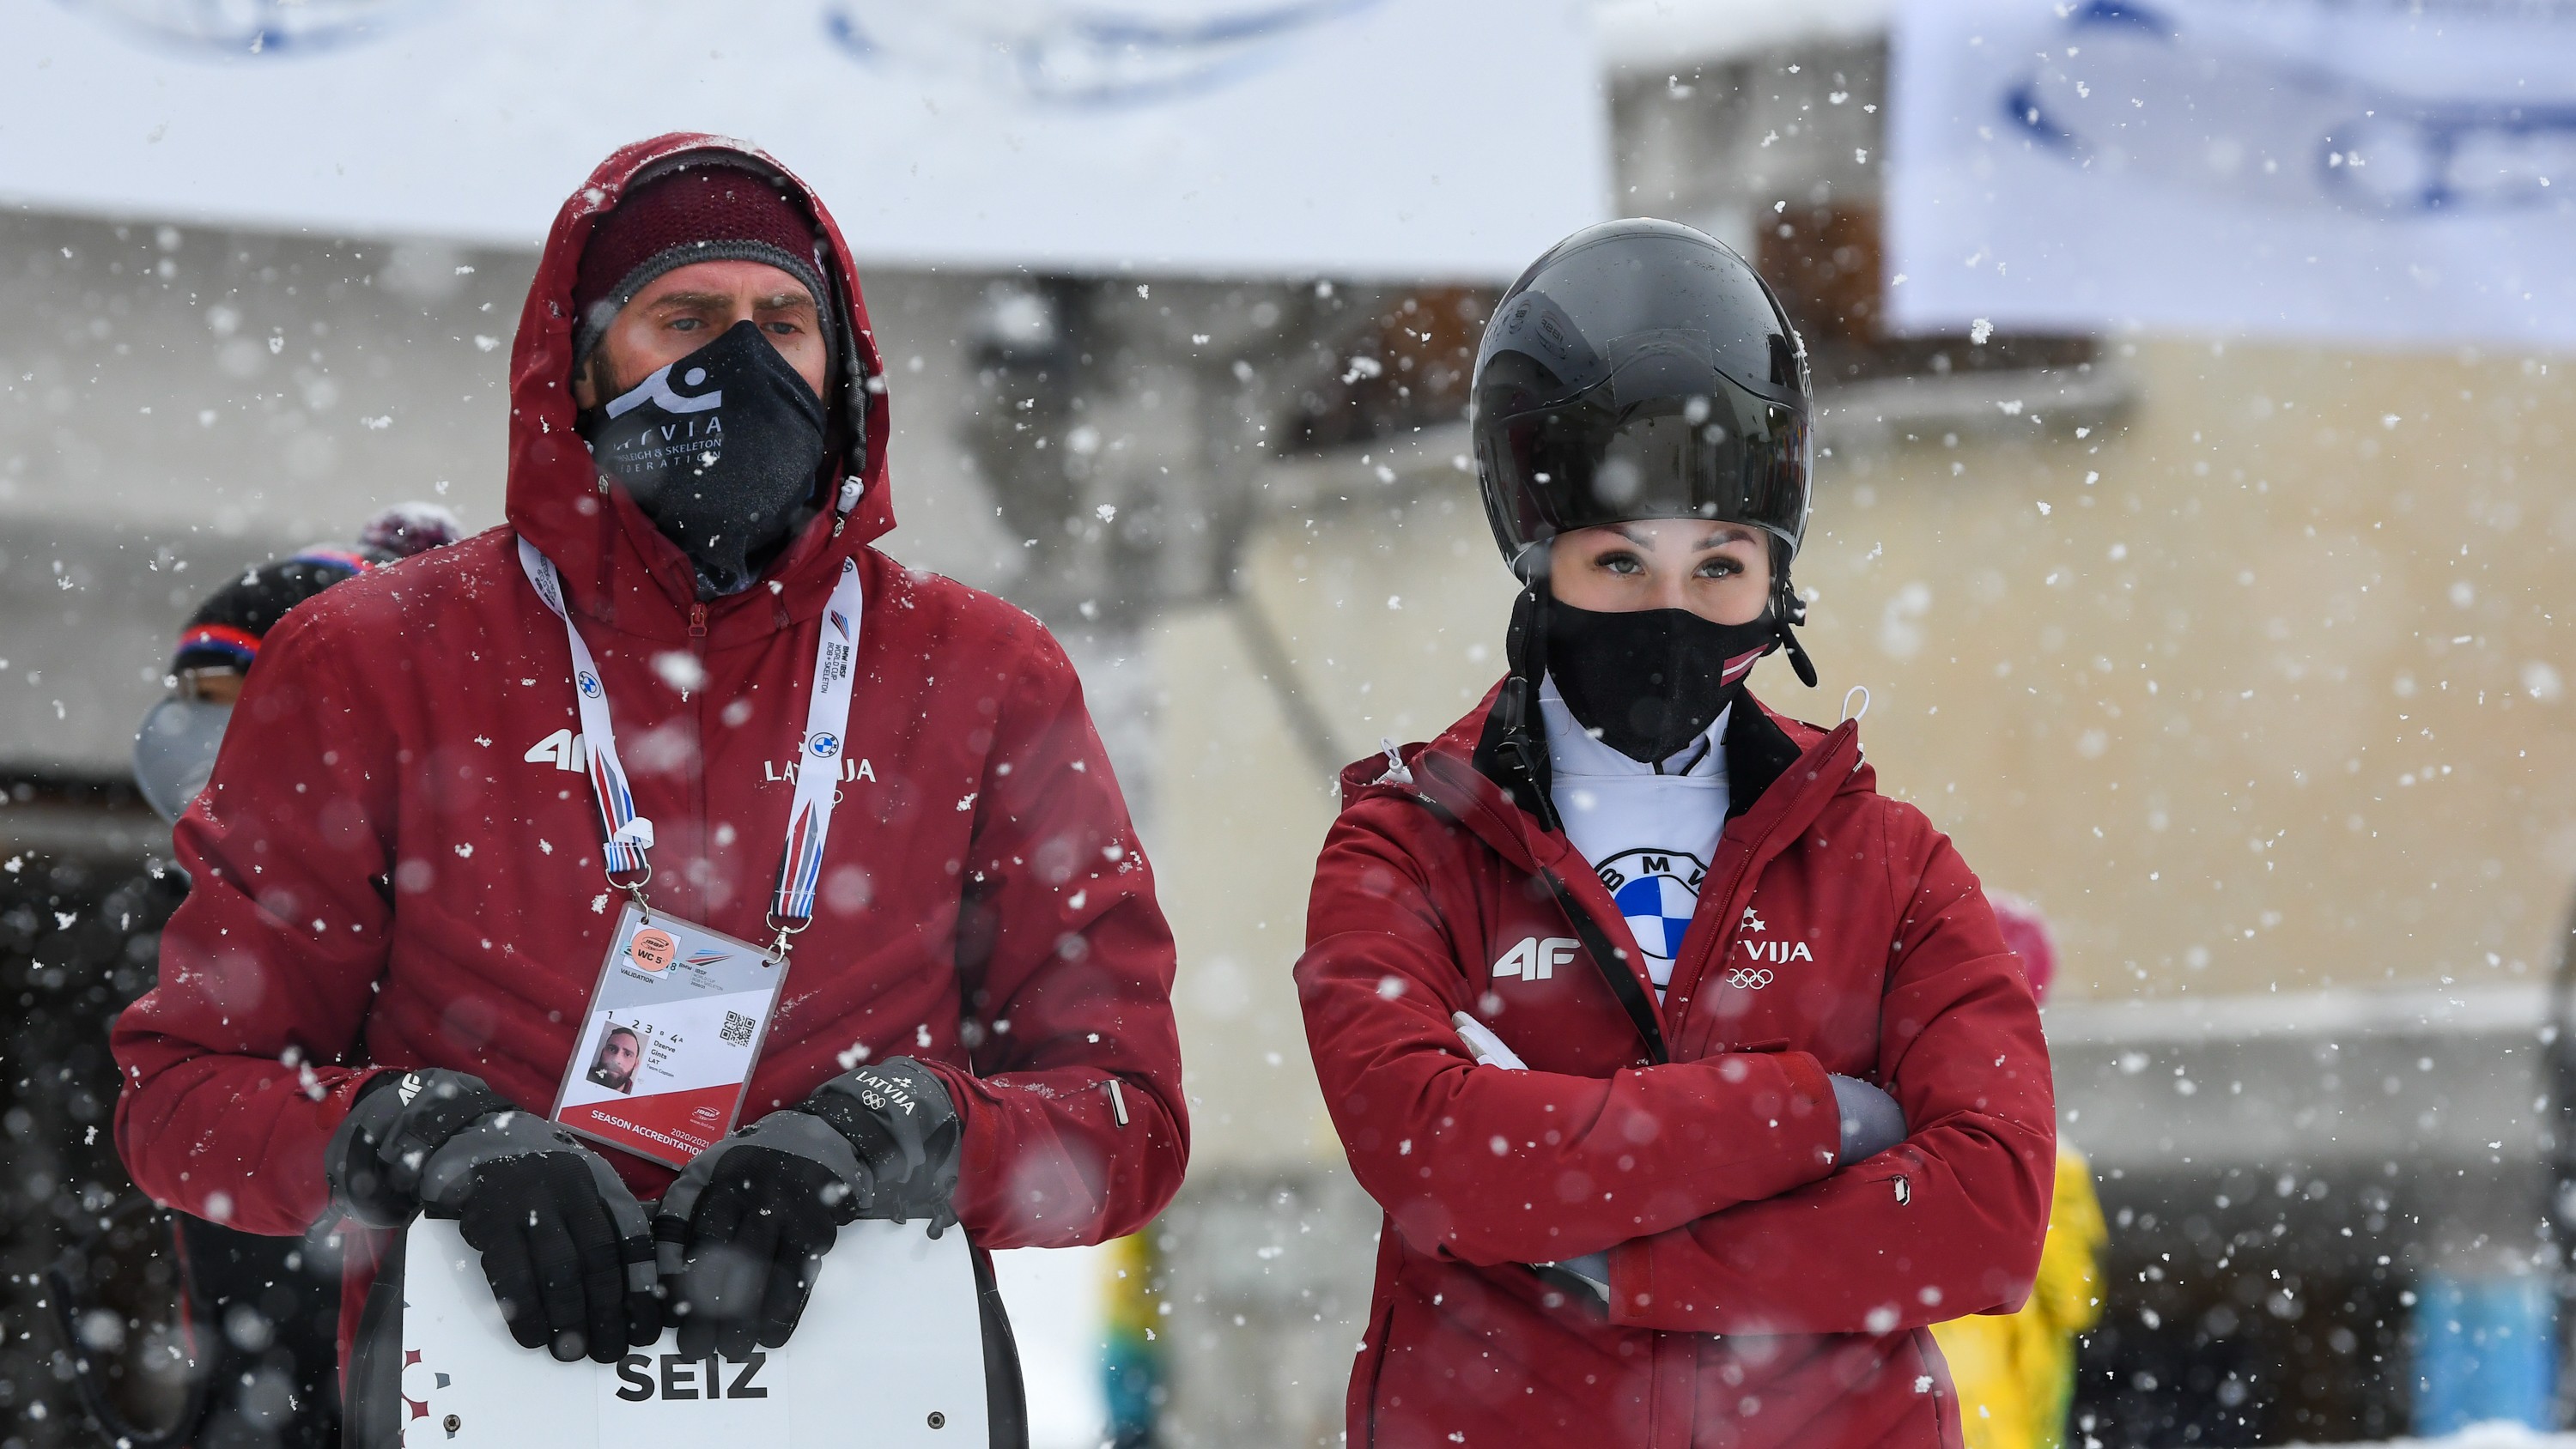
[[809, 818]]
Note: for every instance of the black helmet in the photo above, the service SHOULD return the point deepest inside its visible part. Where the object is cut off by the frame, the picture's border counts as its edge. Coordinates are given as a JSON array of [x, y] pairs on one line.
[[1640, 369]]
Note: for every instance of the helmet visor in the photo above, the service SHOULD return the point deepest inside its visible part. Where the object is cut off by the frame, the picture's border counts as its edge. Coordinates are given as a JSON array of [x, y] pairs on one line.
[[1729, 456]]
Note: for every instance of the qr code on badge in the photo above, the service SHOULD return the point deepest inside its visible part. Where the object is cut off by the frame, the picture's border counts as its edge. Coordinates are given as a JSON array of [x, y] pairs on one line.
[[737, 1029]]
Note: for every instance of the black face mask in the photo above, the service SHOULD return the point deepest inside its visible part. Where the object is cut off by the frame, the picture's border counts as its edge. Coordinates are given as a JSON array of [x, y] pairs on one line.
[[719, 449], [1651, 680]]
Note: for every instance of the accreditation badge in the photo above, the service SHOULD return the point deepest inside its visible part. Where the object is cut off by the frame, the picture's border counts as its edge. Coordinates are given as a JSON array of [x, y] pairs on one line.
[[666, 1050]]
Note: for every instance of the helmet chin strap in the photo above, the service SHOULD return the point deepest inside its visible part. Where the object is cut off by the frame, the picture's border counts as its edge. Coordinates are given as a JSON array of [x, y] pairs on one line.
[[1791, 610], [1525, 646]]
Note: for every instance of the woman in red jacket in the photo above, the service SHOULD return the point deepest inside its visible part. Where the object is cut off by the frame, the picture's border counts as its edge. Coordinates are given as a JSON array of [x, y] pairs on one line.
[[1691, 1072]]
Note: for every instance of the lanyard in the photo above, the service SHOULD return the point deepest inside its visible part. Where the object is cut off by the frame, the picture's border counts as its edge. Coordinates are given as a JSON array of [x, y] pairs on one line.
[[809, 818]]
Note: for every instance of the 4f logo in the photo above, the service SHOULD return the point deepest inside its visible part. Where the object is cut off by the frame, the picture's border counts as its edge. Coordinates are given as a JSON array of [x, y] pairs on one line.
[[563, 749], [1535, 959]]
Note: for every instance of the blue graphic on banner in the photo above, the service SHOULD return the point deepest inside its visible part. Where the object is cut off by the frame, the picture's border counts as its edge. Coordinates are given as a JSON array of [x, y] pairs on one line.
[[2309, 169], [253, 27], [1080, 54], [2303, 135]]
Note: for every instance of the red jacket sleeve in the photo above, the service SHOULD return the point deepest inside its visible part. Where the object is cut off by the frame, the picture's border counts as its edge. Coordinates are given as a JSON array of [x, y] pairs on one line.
[[1489, 1165], [233, 1063], [1066, 964], [1947, 1223]]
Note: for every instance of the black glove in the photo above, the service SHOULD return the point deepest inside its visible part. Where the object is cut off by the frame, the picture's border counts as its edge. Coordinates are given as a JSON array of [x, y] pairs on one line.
[[898, 1116], [743, 1231], [565, 1245], [1872, 1122]]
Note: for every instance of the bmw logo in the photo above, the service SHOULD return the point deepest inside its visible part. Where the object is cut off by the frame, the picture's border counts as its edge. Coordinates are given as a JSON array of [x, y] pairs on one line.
[[1658, 891], [589, 684], [825, 744]]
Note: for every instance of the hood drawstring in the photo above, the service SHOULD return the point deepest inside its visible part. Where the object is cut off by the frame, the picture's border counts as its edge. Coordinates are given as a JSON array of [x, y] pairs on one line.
[[851, 488], [1396, 769]]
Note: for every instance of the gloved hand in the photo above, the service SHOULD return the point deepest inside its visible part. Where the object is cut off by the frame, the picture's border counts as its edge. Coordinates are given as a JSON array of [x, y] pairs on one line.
[[566, 1247], [743, 1231], [1872, 1122]]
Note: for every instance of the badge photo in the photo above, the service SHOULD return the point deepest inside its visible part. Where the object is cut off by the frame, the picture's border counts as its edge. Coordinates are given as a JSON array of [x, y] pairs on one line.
[[668, 1045], [621, 1052]]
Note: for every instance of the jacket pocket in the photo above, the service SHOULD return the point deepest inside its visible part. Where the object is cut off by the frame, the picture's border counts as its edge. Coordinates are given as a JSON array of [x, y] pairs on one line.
[[1895, 1178]]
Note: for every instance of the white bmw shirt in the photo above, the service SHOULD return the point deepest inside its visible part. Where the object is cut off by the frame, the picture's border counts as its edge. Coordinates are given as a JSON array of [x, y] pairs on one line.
[[1649, 835]]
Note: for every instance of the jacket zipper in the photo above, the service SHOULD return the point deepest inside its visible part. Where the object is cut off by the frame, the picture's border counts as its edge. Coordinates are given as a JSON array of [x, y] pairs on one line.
[[1732, 928], [1717, 951]]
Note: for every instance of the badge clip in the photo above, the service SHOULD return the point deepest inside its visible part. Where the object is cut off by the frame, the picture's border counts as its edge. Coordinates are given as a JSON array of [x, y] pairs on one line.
[[787, 932], [635, 890]]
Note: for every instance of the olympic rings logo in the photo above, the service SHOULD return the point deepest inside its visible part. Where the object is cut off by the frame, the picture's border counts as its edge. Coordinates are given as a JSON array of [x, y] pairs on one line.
[[1750, 978]]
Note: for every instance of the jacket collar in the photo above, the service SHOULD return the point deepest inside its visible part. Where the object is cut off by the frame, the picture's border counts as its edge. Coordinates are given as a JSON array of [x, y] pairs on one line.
[[1781, 768], [619, 571], [1758, 753]]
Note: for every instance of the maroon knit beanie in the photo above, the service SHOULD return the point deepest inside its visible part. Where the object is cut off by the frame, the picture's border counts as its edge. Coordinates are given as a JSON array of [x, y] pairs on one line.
[[708, 212]]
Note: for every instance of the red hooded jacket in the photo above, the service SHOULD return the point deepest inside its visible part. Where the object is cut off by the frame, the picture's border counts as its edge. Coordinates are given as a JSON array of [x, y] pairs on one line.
[[398, 861], [1760, 1293]]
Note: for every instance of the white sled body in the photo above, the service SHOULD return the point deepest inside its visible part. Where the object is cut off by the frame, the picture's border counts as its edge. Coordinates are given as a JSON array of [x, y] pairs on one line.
[[890, 1353]]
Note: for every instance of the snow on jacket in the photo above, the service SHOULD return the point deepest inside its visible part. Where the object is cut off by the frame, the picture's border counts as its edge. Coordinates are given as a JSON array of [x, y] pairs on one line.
[[1760, 1292], [398, 861]]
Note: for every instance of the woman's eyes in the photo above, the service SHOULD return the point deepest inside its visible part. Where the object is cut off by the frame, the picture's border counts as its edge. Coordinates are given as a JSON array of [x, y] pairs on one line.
[[1630, 565]]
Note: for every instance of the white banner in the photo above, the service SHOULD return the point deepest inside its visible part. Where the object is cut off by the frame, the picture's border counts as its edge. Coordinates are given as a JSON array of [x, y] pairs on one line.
[[2382, 172], [1396, 138]]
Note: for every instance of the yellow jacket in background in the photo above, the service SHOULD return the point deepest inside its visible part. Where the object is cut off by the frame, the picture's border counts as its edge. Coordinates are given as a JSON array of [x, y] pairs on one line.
[[2016, 1372]]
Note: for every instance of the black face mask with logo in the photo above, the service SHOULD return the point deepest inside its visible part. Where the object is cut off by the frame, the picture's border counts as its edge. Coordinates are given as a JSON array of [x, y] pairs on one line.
[[1651, 680], [719, 449]]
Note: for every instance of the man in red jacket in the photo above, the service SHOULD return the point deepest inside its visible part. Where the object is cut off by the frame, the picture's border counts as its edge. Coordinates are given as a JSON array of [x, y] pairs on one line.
[[456, 784], [1618, 1017]]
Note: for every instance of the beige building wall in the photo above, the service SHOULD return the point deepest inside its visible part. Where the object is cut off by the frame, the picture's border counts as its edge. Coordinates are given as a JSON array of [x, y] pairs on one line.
[[2261, 686], [1391, 617]]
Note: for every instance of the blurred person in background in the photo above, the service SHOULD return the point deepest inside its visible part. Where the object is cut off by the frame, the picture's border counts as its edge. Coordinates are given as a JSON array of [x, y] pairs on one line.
[[260, 1313], [2016, 1371], [406, 860], [1132, 1369], [1693, 1075], [174, 751]]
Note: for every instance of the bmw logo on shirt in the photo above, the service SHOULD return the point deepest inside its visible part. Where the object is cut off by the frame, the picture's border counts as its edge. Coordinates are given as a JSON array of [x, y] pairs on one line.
[[1657, 890]]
